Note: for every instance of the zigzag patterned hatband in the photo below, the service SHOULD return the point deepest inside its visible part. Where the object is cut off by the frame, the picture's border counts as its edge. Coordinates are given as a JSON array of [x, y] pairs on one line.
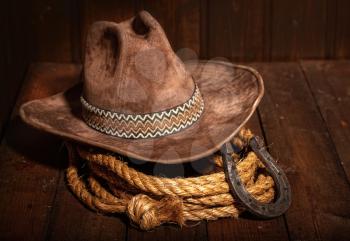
[[142, 126]]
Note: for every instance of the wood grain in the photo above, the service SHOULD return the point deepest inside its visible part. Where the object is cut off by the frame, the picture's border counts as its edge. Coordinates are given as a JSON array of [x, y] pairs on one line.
[[169, 233], [298, 137], [252, 30], [16, 54], [305, 121], [329, 83], [6, 98], [298, 29], [238, 30], [342, 34], [49, 29], [65, 217], [33, 31], [71, 220], [29, 172]]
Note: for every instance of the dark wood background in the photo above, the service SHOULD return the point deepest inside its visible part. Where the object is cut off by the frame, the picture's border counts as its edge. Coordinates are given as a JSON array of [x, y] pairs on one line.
[[311, 139], [241, 30]]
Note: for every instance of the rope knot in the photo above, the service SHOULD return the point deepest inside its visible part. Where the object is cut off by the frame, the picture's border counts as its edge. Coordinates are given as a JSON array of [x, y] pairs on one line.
[[149, 213]]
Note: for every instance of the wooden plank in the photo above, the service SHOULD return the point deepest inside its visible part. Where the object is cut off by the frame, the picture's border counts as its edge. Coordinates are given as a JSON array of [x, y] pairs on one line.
[[238, 30], [35, 30], [7, 91], [75, 27], [342, 35], [298, 137], [71, 220], [49, 29], [15, 57], [54, 212], [203, 32], [29, 172], [169, 233], [330, 85], [298, 29], [330, 32], [247, 227], [187, 25]]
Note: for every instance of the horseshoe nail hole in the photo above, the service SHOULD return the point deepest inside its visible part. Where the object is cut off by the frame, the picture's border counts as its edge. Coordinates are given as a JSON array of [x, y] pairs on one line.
[[250, 200], [238, 183]]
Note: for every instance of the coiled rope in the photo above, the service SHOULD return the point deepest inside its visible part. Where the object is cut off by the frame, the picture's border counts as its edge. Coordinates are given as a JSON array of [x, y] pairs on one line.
[[150, 200]]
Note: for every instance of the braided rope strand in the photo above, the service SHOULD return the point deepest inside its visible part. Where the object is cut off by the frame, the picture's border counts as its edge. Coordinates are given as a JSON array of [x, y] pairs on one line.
[[150, 201]]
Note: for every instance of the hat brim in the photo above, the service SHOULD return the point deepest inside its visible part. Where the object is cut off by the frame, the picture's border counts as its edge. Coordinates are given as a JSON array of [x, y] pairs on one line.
[[231, 94]]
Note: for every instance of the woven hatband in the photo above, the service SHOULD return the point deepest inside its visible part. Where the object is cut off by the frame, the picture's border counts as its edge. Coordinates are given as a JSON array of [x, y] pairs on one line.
[[142, 126]]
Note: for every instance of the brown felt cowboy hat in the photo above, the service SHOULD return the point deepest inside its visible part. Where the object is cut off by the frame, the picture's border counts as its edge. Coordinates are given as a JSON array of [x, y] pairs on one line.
[[140, 100]]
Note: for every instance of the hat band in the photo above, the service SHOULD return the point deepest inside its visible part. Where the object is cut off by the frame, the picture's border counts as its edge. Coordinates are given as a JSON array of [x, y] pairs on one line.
[[142, 126]]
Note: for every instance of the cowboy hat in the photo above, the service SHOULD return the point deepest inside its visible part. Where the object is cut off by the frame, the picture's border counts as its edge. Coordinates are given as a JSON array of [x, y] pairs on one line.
[[138, 99]]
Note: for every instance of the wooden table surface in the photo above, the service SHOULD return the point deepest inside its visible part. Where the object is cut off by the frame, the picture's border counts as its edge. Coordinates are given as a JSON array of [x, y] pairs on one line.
[[304, 118]]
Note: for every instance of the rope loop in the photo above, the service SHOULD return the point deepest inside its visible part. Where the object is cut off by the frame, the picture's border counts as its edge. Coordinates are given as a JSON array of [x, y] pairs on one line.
[[114, 187], [149, 213]]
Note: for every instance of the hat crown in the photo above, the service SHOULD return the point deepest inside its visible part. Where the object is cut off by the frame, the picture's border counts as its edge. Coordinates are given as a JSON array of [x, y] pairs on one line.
[[130, 68]]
